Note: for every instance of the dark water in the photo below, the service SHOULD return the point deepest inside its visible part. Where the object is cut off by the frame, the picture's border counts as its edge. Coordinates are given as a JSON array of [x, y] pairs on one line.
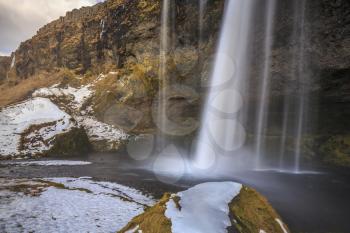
[[313, 203]]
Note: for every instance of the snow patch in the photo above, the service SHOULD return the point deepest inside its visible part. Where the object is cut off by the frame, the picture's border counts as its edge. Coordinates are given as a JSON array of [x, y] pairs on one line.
[[103, 30], [82, 209], [13, 62], [48, 163], [78, 95], [99, 131], [281, 225], [107, 188], [134, 230], [14, 120], [204, 208]]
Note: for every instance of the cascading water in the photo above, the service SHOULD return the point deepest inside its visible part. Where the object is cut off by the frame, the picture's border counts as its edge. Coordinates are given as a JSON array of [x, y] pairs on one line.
[[202, 7], [221, 129], [298, 108], [263, 104], [163, 79], [300, 76], [226, 108]]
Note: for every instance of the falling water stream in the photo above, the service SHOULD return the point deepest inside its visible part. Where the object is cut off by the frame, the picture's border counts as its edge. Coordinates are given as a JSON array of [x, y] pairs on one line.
[[202, 8], [221, 130], [263, 104], [164, 47], [300, 76], [296, 107], [222, 124]]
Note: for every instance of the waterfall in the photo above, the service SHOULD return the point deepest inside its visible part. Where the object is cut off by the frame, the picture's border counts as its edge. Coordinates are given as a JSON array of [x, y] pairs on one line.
[[221, 129], [263, 105], [161, 117], [202, 8], [13, 61], [300, 75], [298, 108]]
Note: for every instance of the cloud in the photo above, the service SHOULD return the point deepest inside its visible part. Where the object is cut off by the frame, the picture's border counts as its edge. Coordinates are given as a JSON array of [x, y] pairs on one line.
[[20, 19]]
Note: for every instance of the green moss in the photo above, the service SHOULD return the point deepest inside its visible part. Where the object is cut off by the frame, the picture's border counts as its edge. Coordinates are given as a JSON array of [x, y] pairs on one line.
[[146, 7], [176, 200], [71, 143], [336, 150], [251, 212], [153, 220]]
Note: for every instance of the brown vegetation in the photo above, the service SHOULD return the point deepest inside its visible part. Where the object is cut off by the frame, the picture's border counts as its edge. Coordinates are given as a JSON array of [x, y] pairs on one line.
[[153, 220], [251, 212], [13, 91]]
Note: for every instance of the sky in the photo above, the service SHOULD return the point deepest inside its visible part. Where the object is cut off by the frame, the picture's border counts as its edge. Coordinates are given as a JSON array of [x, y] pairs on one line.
[[20, 19]]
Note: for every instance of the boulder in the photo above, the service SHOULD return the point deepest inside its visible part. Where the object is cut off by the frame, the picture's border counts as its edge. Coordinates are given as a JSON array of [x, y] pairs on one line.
[[210, 207]]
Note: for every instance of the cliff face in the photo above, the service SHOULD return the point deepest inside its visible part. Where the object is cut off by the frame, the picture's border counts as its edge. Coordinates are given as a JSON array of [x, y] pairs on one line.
[[124, 37], [104, 36], [112, 34], [85, 39]]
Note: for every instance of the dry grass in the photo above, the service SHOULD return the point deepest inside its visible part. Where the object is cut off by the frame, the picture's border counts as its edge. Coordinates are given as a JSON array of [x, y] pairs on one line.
[[15, 90], [153, 220], [12, 92], [252, 213]]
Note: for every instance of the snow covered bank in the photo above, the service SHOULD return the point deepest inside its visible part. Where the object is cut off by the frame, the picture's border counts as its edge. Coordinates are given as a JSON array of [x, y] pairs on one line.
[[47, 163], [30, 127], [103, 137], [204, 208], [76, 96], [218, 207], [67, 205]]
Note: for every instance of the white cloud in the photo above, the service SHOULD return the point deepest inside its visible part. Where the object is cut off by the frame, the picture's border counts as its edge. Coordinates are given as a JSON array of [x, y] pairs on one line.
[[4, 54], [20, 19]]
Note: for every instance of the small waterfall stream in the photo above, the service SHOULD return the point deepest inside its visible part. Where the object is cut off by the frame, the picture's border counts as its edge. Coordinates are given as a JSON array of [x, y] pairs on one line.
[[263, 104], [164, 44], [300, 75], [202, 8]]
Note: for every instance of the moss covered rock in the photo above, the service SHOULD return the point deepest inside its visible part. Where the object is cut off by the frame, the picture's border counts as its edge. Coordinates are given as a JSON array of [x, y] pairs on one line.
[[71, 143], [251, 212], [336, 150], [152, 220], [248, 212]]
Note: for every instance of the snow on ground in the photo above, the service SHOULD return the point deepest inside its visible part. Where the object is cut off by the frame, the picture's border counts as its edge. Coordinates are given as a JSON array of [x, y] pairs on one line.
[[15, 119], [47, 163], [78, 96], [204, 208], [107, 188], [281, 225], [133, 230], [99, 131], [82, 205], [96, 130]]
